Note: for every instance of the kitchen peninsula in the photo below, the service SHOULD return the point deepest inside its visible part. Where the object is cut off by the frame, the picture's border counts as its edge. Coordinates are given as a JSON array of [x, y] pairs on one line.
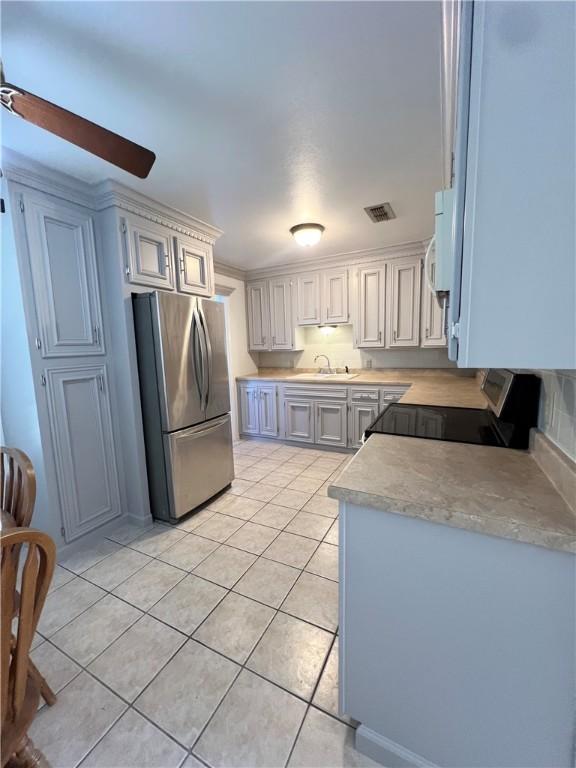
[[457, 595]]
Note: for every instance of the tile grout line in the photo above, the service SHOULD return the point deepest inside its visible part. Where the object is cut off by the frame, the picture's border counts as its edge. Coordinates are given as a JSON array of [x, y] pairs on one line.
[[309, 704], [129, 705]]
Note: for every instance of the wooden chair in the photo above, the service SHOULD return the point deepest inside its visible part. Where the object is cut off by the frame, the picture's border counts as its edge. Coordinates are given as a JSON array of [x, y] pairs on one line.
[[17, 498], [17, 485], [20, 691]]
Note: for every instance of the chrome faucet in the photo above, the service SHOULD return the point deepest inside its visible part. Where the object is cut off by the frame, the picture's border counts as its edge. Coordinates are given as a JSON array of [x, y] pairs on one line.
[[327, 360]]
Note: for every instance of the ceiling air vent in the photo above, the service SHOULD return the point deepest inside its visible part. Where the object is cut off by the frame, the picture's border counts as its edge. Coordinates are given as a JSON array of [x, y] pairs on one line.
[[382, 212]]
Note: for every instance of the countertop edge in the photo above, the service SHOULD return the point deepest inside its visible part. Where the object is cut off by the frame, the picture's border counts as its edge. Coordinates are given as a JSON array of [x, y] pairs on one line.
[[512, 530]]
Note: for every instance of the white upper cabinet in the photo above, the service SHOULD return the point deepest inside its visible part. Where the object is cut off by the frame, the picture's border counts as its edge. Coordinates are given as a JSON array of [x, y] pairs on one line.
[[323, 297], [513, 293], [148, 252], [309, 306], [270, 308], [194, 266], [81, 426], [432, 322], [281, 326], [62, 264], [403, 328], [369, 331], [258, 315], [335, 296]]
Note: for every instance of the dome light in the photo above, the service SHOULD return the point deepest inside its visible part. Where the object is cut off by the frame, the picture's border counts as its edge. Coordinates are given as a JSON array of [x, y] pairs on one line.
[[307, 234]]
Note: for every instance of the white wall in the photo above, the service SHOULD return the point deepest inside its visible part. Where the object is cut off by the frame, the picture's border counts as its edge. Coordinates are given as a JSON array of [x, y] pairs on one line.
[[338, 346], [558, 409], [240, 360], [18, 411]]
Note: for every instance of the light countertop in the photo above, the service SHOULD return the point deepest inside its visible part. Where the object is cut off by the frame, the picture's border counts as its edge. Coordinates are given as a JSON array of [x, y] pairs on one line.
[[427, 386], [495, 491]]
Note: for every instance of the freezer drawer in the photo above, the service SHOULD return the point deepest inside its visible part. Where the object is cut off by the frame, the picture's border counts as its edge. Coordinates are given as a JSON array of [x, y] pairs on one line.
[[199, 463]]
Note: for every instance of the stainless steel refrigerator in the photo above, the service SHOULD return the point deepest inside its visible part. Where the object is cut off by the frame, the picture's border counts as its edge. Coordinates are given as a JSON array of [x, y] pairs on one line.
[[183, 370]]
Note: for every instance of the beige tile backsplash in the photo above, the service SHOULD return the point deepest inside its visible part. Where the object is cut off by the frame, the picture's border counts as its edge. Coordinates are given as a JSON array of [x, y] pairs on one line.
[[558, 409]]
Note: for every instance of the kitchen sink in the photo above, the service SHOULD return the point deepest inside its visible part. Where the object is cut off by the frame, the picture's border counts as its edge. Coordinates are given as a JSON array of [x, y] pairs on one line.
[[324, 376]]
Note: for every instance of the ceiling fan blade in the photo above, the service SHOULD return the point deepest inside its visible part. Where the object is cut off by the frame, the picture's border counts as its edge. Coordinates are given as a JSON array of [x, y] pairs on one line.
[[99, 141]]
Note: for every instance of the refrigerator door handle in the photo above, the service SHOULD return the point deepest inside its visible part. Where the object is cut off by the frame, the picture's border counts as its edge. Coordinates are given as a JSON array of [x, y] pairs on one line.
[[209, 353], [199, 354]]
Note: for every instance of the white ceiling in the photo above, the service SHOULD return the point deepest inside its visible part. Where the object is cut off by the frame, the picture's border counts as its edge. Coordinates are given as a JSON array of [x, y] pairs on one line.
[[262, 114]]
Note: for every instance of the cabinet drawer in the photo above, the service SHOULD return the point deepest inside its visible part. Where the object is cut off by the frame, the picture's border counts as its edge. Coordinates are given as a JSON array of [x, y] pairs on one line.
[[392, 394], [365, 395], [312, 390]]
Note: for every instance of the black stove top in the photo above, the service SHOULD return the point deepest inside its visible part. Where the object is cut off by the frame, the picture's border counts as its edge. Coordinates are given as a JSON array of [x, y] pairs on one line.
[[461, 425]]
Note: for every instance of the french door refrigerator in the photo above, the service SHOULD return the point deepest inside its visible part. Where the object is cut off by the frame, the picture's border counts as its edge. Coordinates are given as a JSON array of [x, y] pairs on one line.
[[183, 371]]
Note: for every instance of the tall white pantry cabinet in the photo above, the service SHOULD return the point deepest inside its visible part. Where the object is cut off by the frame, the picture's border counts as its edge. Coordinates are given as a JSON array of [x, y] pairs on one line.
[[81, 251]]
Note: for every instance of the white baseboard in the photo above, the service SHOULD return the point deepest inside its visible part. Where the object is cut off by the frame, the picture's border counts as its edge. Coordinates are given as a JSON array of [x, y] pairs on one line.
[[387, 752]]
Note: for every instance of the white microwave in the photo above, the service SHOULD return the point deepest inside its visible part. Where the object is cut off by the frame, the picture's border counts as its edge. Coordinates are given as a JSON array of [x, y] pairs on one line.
[[439, 260]]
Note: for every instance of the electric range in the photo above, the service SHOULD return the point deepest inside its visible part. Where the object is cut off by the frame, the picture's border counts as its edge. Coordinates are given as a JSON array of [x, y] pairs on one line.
[[512, 400]]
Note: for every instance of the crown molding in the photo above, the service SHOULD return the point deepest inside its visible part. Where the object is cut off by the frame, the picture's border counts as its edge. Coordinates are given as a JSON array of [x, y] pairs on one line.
[[110, 193], [349, 259], [104, 194], [228, 270], [22, 170], [223, 290]]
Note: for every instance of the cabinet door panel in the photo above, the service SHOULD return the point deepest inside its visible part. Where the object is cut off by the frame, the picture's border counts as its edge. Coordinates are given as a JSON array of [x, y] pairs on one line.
[[404, 303], [258, 315], [299, 420], [249, 411], [331, 423], [335, 296], [62, 253], [281, 313], [81, 426], [433, 312], [370, 309], [268, 410], [309, 310], [194, 266], [149, 257], [361, 416]]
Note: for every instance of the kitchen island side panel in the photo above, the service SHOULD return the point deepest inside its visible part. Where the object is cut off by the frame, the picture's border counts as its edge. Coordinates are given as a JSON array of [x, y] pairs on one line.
[[457, 646]]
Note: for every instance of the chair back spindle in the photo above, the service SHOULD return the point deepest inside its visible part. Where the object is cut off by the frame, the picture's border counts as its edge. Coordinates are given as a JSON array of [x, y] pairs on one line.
[[17, 485]]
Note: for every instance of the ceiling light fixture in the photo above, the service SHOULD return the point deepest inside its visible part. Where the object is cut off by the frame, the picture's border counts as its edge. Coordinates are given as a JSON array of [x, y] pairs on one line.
[[307, 234]]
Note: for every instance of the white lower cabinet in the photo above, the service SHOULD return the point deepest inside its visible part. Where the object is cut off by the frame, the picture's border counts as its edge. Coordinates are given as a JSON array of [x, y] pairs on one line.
[[259, 409], [81, 425], [299, 420], [268, 409], [248, 409], [331, 427], [361, 416]]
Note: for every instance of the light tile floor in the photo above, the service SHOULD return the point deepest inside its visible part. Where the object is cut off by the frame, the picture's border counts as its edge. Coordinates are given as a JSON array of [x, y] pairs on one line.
[[211, 643]]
